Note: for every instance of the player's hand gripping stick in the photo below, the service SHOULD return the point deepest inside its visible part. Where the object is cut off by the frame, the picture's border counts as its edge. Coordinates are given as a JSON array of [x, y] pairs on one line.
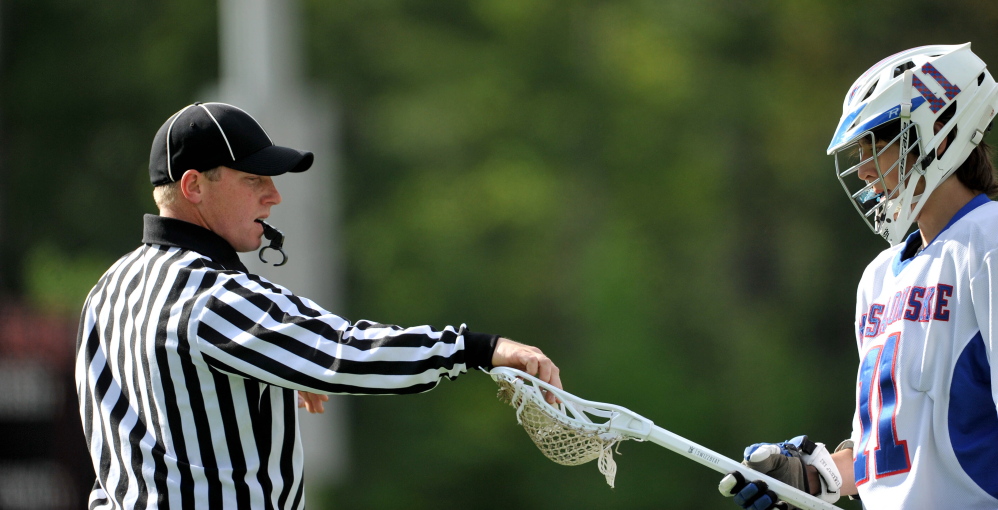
[[276, 238], [788, 462]]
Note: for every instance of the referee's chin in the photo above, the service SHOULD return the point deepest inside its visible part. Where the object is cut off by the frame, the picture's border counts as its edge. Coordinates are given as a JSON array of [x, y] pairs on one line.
[[246, 245], [253, 246]]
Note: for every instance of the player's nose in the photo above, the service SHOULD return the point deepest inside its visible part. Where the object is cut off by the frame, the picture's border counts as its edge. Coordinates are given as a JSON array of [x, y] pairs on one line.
[[867, 171]]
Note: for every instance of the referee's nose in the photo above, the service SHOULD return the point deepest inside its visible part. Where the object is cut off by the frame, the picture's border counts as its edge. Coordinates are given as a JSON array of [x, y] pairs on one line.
[[271, 196]]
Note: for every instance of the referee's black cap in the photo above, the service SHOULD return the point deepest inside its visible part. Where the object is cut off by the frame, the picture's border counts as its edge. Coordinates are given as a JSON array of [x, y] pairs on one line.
[[203, 136]]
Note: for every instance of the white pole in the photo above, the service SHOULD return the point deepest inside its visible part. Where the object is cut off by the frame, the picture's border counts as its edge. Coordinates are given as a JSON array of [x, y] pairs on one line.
[[261, 72]]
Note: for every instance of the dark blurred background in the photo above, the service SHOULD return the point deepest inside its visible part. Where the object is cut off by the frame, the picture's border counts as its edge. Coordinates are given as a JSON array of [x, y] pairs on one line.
[[640, 188]]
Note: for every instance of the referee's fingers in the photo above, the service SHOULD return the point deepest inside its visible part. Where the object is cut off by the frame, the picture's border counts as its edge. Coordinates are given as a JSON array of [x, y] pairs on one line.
[[530, 359], [547, 371], [312, 402], [530, 365], [555, 377]]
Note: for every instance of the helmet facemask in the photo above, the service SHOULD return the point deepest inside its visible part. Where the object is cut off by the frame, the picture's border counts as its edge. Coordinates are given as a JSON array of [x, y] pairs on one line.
[[928, 107], [879, 171]]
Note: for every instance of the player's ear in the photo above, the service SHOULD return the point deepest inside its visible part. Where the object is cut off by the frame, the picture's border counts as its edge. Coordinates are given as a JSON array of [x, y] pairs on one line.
[[192, 186]]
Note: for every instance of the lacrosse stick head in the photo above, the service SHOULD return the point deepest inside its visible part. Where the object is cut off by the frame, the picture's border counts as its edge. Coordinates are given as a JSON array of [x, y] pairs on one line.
[[570, 432]]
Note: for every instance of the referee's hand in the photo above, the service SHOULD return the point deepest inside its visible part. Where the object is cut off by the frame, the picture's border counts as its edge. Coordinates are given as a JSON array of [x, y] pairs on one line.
[[312, 402], [528, 359]]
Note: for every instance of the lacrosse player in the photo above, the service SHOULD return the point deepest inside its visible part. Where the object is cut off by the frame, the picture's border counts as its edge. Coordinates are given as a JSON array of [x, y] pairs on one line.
[[909, 150]]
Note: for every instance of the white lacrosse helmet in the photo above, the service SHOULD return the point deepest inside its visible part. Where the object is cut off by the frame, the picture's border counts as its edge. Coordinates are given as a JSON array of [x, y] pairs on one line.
[[903, 96]]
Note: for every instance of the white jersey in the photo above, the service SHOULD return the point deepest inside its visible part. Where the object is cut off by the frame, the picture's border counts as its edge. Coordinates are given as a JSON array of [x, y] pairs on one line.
[[926, 423]]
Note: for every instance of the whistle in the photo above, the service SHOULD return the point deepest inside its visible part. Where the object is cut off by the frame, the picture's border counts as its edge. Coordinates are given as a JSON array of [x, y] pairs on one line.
[[276, 238]]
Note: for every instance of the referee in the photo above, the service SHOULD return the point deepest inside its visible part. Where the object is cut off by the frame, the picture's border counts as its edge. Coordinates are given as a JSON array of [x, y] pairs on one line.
[[188, 365]]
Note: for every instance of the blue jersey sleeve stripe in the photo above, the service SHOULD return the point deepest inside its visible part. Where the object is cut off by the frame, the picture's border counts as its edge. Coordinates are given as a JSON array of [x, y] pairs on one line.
[[973, 419]]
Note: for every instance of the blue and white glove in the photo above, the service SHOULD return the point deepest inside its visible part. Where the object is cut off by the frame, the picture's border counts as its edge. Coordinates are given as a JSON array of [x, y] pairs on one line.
[[786, 462]]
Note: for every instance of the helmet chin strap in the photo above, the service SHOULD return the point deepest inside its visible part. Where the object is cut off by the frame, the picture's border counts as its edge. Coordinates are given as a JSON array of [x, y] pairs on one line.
[[904, 212], [904, 209]]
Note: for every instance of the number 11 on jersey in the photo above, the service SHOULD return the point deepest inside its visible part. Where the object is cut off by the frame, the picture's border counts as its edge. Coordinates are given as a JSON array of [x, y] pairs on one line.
[[890, 455]]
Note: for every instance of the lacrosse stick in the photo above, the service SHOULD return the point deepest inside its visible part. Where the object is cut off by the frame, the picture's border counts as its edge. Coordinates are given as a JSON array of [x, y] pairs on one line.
[[577, 431]]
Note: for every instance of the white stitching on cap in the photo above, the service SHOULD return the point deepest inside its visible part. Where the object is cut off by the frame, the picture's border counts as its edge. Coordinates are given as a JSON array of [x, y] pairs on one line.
[[271, 140], [205, 108], [169, 169]]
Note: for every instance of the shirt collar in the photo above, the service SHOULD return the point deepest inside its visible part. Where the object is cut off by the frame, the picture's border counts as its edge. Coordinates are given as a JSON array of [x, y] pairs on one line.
[[912, 245], [974, 203], [182, 234]]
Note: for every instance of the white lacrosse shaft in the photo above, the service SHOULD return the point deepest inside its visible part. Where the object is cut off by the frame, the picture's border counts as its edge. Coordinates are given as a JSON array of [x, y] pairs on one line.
[[634, 426]]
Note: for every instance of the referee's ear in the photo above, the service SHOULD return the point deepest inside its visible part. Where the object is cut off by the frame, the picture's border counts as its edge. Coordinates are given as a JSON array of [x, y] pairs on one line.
[[191, 184]]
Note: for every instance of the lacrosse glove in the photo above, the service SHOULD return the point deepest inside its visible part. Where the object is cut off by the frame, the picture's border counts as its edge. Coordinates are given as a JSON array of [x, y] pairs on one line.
[[786, 462]]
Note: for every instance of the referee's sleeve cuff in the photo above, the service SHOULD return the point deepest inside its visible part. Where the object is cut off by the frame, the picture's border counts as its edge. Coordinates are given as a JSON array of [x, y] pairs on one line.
[[478, 349]]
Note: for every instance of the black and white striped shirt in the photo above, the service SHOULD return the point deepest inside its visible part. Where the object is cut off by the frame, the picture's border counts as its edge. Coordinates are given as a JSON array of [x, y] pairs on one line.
[[187, 365]]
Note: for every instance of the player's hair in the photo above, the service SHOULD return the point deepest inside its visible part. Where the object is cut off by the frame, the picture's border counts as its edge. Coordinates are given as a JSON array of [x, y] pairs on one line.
[[977, 172], [166, 195]]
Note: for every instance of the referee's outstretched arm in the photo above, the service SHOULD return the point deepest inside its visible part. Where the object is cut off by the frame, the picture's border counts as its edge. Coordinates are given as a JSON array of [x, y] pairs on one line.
[[188, 365]]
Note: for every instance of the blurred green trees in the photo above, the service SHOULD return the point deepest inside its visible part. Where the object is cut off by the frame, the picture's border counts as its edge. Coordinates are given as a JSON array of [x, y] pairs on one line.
[[638, 187]]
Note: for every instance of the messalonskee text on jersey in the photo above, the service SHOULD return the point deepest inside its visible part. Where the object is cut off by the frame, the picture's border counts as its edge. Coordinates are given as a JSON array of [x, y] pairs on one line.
[[915, 304]]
